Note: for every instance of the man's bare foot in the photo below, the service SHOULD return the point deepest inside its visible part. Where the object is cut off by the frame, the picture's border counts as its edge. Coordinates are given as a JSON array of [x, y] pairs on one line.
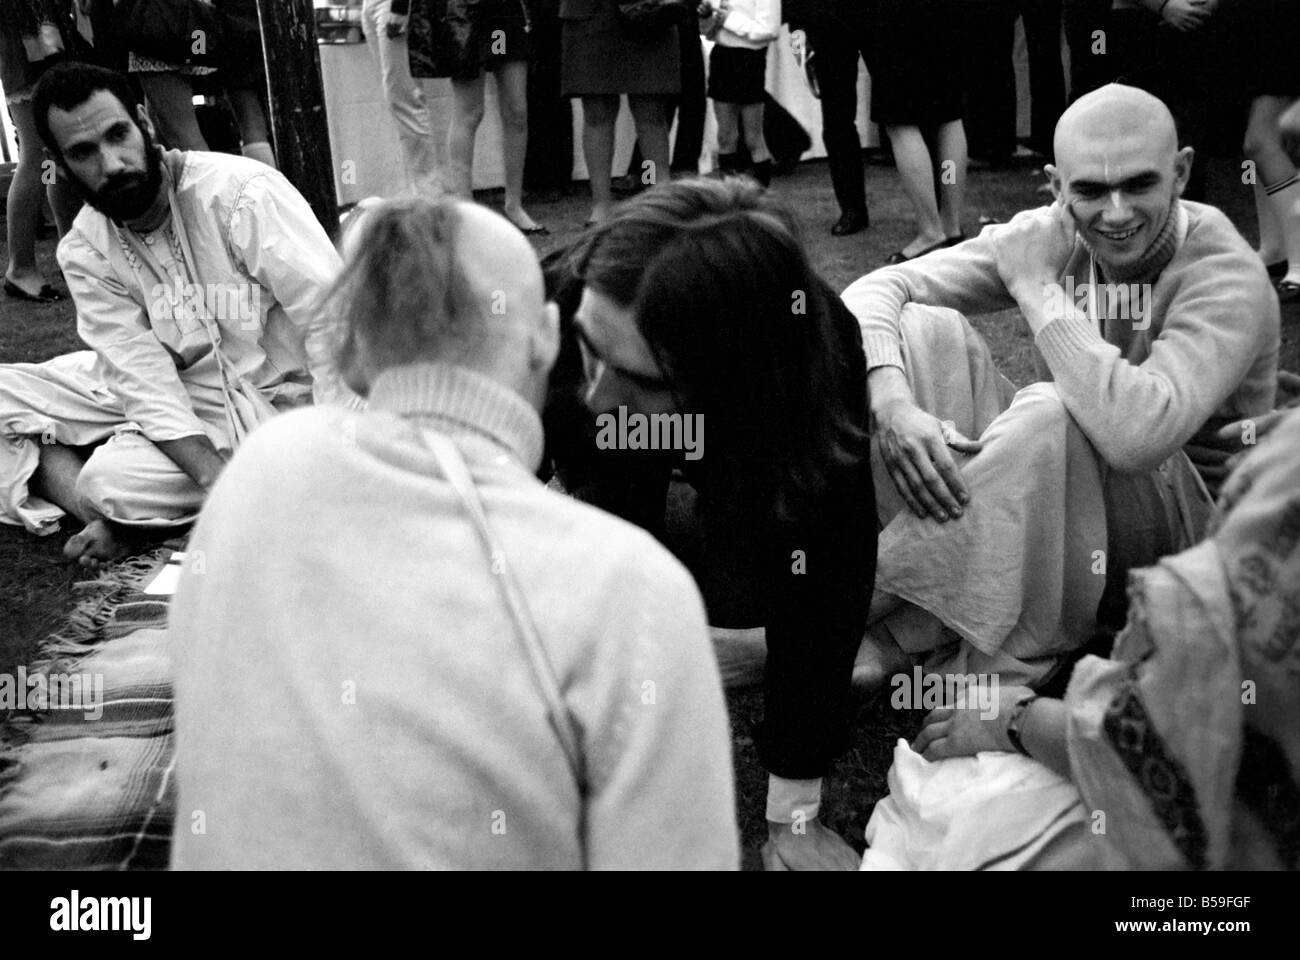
[[96, 544], [879, 658]]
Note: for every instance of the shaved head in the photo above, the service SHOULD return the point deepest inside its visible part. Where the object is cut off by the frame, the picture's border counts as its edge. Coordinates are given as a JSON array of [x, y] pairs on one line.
[[447, 281], [1115, 112], [1118, 170]]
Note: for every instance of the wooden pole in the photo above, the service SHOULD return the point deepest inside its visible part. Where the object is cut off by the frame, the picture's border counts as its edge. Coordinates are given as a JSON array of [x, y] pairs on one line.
[[297, 99]]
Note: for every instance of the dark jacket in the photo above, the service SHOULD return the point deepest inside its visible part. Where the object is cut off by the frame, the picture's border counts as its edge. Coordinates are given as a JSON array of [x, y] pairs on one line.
[[451, 38], [815, 620]]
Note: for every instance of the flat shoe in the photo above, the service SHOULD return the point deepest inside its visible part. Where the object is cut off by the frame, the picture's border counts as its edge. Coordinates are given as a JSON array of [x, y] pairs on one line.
[[1288, 291], [953, 241], [851, 222], [900, 257], [47, 295], [535, 231]]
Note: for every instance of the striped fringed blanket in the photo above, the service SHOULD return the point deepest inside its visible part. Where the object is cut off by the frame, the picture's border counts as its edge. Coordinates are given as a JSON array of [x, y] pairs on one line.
[[80, 793]]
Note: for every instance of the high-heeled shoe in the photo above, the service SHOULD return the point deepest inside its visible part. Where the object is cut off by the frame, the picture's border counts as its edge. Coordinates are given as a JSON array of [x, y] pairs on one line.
[[47, 293]]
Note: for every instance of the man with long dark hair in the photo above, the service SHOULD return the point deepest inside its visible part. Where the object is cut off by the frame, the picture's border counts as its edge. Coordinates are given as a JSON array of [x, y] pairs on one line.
[[696, 300]]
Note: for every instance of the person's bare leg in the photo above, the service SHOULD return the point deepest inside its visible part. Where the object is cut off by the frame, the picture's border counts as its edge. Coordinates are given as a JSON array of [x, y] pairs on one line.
[[512, 102], [751, 115], [727, 116], [23, 213], [466, 115], [65, 203], [55, 480], [1276, 172], [916, 170], [247, 104], [652, 133], [598, 116], [952, 176], [1271, 246], [171, 102]]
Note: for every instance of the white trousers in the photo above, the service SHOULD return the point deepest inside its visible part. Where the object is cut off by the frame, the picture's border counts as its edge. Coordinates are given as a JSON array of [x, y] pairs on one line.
[[127, 479], [405, 96]]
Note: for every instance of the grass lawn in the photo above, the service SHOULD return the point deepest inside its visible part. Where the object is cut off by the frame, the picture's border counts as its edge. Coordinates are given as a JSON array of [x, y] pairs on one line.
[[37, 584]]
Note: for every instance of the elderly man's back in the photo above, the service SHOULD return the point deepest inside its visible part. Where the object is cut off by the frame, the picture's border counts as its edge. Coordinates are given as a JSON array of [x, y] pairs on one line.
[[352, 691]]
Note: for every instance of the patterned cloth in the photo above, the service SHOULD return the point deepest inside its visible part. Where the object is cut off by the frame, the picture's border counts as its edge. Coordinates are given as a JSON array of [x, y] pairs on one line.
[[79, 793]]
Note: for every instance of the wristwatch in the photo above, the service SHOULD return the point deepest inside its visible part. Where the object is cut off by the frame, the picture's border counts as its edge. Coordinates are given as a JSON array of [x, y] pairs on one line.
[[1013, 722]]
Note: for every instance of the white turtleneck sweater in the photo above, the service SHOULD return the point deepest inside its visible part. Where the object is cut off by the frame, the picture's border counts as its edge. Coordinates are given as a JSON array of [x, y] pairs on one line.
[[350, 689]]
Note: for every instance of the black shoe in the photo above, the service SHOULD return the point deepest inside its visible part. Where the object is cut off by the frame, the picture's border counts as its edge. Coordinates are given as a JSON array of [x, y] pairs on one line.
[[851, 221], [728, 164], [47, 293], [762, 172], [900, 257], [1278, 269], [627, 185]]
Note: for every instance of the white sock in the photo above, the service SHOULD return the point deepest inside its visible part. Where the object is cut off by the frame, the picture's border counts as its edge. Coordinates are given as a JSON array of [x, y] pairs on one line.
[[260, 150], [1284, 197], [1271, 247]]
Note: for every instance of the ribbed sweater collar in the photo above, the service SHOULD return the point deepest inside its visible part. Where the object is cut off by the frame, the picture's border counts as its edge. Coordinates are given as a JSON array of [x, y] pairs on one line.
[[462, 401], [1158, 254]]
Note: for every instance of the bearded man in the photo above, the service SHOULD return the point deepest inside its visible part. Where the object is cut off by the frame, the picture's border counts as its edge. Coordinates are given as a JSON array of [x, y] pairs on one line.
[[195, 277], [1153, 325]]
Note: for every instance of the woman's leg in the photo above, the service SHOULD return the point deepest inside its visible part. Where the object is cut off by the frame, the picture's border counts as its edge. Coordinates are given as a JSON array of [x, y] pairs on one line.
[[1277, 176], [23, 214], [751, 116], [65, 202], [727, 116], [652, 133], [512, 101], [171, 101], [598, 116], [466, 115], [916, 170], [247, 104], [952, 179]]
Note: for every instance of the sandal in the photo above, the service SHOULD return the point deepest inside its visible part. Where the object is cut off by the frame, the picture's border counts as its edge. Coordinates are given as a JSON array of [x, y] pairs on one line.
[[899, 256]]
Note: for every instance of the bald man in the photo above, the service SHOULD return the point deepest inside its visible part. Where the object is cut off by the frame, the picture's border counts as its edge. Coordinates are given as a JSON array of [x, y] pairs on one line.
[[353, 689], [1153, 325]]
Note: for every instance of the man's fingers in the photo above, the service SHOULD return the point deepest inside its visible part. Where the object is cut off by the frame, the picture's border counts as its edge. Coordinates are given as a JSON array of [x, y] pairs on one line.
[[930, 733], [920, 489], [937, 750], [905, 491], [951, 476], [962, 445]]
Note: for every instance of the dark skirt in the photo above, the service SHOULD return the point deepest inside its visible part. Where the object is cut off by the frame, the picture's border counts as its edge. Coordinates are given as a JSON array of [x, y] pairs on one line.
[[1275, 57], [502, 33], [736, 74], [915, 69], [600, 59]]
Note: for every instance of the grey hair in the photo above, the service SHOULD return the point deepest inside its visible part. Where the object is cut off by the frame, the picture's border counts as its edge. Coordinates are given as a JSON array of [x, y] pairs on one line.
[[401, 297]]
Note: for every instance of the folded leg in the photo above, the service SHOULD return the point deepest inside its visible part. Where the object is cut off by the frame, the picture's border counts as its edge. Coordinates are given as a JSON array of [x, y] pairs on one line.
[[60, 402]]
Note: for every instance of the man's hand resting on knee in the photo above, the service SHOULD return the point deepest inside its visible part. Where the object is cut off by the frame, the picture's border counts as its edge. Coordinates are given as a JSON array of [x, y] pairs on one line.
[[196, 456], [807, 846], [917, 448]]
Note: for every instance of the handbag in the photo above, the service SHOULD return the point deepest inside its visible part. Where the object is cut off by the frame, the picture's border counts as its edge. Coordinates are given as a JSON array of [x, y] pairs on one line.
[[456, 472], [186, 32], [645, 18]]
